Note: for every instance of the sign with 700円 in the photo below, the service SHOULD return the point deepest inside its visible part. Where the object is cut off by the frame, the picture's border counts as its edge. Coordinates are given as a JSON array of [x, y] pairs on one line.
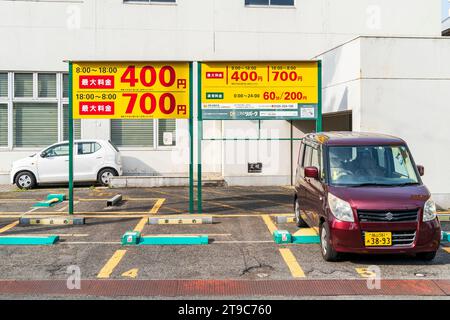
[[131, 90]]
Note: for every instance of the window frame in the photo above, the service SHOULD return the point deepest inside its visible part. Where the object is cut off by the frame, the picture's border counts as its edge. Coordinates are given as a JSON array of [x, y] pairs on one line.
[[275, 6], [152, 2], [10, 100], [87, 142], [56, 146], [156, 146]]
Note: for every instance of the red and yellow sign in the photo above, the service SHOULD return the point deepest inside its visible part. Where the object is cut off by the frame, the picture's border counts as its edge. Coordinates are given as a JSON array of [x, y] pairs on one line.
[[130, 90]]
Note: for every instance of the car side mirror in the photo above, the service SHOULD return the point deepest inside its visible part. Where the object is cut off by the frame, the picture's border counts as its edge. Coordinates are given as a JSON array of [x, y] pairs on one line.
[[312, 172], [43, 154], [421, 170]]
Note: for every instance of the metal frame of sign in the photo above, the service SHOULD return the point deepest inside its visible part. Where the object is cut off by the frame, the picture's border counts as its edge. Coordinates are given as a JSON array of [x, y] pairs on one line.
[[191, 134], [200, 120]]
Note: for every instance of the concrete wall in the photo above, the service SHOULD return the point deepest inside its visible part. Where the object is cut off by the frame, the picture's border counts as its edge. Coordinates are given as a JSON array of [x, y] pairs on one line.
[[402, 89], [39, 35]]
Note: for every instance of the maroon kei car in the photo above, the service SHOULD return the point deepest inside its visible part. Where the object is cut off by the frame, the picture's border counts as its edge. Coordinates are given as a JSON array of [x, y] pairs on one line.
[[364, 194]]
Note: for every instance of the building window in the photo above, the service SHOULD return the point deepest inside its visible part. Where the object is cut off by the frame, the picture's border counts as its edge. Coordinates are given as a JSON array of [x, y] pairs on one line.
[[269, 2], [47, 85], [132, 133], [35, 114], [65, 85], [151, 1], [3, 85], [142, 133], [76, 125], [167, 132], [23, 85], [3, 125], [35, 124]]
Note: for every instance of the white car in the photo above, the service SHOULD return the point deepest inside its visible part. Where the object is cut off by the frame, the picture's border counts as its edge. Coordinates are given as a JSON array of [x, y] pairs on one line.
[[94, 160]]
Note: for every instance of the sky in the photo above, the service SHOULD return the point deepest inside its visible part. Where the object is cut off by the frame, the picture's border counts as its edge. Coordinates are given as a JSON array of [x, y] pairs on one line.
[[445, 8]]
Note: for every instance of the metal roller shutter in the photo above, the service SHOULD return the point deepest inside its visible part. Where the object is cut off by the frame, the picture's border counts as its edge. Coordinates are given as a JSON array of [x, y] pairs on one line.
[[35, 124], [3, 125], [3, 84], [23, 85], [132, 133], [76, 125]]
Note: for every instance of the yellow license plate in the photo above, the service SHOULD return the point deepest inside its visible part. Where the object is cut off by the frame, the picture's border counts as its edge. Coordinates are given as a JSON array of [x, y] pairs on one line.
[[378, 239]]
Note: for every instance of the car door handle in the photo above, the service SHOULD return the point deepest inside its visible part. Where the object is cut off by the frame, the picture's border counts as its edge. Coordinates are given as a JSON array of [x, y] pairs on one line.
[[99, 158]]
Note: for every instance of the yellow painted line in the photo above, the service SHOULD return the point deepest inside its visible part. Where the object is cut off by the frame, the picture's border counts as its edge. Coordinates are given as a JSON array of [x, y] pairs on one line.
[[133, 273], [171, 235], [43, 214], [291, 262], [443, 212], [269, 223], [63, 235], [67, 206], [18, 200], [364, 273], [306, 232], [447, 249], [9, 226], [111, 264], [140, 226], [124, 199], [157, 206]]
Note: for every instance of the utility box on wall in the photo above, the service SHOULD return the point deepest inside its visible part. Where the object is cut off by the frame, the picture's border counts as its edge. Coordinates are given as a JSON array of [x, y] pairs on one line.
[[255, 167]]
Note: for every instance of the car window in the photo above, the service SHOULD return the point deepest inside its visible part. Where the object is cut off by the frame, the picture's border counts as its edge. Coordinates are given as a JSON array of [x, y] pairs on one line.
[[88, 148], [301, 154], [307, 157], [57, 151], [316, 161], [315, 158], [380, 165]]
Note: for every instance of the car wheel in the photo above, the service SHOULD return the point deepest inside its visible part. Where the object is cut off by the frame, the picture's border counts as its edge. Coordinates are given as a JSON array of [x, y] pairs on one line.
[[104, 176], [328, 252], [298, 217], [25, 180], [426, 256]]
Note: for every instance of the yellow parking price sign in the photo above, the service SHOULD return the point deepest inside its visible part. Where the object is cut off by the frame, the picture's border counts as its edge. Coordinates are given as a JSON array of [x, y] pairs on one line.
[[130, 90], [260, 90]]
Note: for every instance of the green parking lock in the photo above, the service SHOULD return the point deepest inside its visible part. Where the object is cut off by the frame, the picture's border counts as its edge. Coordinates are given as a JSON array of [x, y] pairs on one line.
[[282, 236], [444, 236], [60, 197], [131, 238]]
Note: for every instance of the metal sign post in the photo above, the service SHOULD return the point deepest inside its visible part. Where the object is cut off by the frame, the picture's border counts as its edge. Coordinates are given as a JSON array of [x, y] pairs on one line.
[[70, 142], [246, 90]]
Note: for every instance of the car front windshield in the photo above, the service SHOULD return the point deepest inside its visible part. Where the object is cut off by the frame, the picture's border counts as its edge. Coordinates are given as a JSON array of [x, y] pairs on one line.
[[371, 165]]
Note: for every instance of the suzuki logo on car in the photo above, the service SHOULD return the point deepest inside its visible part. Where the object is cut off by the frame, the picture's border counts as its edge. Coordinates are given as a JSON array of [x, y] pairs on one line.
[[389, 216]]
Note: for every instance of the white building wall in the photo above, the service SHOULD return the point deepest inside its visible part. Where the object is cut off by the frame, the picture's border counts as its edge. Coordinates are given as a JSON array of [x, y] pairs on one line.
[[403, 90], [40, 35]]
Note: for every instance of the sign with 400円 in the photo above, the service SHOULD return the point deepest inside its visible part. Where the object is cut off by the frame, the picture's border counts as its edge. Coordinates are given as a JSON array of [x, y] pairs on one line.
[[131, 90]]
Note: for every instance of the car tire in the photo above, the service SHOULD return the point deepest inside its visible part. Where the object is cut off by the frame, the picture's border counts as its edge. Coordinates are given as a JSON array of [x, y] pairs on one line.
[[25, 180], [105, 175], [327, 250], [298, 217], [426, 256]]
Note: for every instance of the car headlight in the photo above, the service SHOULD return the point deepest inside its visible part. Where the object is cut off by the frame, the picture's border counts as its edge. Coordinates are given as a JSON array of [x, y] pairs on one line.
[[429, 211], [340, 209]]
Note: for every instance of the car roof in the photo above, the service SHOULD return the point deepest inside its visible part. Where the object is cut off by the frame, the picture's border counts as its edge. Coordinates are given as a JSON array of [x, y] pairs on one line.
[[347, 138], [83, 140]]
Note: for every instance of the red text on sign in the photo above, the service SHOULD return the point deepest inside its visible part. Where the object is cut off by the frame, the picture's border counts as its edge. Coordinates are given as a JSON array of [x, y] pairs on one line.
[[148, 103], [149, 75]]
